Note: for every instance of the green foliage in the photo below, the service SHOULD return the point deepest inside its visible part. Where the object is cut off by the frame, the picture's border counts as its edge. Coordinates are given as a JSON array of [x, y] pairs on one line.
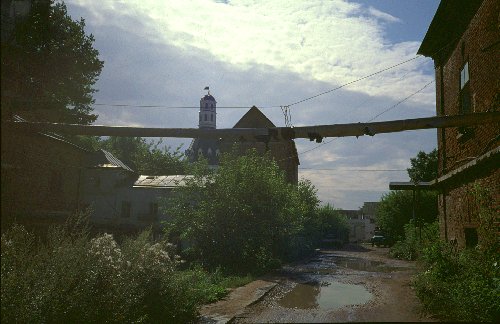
[[424, 166], [333, 223], [146, 157], [71, 277], [464, 285], [51, 65], [416, 239], [245, 217], [396, 209]]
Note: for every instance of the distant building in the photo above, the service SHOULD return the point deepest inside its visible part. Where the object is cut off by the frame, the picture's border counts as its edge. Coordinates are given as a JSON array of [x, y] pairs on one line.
[[204, 147], [464, 42], [120, 200], [283, 152], [361, 222]]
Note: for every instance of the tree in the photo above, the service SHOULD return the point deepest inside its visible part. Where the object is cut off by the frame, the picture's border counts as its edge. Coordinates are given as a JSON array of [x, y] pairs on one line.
[[396, 209], [49, 66], [423, 167], [245, 217], [333, 223], [145, 157]]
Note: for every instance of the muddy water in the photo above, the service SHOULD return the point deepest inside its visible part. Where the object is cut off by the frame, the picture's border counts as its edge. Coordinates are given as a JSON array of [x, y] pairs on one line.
[[318, 287], [339, 286], [328, 295]]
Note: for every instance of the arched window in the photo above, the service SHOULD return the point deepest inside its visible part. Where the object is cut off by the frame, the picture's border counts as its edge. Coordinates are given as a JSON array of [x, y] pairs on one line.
[[206, 117], [211, 117], [212, 106], [209, 152], [217, 152], [200, 152], [206, 105]]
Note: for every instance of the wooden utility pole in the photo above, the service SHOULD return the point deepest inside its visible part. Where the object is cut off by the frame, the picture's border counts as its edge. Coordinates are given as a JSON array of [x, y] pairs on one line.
[[277, 133]]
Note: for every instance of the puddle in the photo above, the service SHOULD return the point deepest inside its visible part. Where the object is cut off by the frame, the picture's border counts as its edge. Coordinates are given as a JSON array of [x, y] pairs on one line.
[[359, 264], [325, 296]]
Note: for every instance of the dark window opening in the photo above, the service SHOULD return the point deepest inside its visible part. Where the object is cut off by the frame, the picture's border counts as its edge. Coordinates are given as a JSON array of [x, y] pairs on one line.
[[126, 207], [206, 105], [212, 106], [471, 238], [206, 118], [211, 117]]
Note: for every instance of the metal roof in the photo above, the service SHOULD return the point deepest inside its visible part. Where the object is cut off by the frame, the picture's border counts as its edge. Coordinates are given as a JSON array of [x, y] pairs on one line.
[[104, 159], [410, 185], [170, 181]]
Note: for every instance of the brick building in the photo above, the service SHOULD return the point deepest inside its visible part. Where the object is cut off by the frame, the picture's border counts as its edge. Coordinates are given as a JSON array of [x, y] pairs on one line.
[[464, 42]]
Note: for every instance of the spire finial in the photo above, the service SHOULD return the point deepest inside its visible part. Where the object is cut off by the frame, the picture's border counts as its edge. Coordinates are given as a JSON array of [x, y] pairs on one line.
[[208, 89]]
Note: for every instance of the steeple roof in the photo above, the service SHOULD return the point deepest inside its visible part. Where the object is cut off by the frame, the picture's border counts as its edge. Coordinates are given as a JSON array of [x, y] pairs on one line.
[[254, 118]]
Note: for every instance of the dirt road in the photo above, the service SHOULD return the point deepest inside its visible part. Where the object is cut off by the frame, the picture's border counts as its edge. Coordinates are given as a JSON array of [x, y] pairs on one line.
[[358, 284]]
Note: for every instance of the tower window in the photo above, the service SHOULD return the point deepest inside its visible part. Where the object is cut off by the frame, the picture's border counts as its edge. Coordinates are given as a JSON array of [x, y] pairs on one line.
[[206, 117], [212, 106], [206, 105], [211, 117]]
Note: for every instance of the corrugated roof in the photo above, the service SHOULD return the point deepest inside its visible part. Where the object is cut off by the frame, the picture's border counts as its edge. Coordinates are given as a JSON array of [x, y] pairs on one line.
[[51, 135], [105, 159], [170, 181]]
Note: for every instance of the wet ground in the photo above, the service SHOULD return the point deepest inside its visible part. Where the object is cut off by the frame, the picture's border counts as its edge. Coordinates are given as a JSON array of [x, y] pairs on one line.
[[360, 284]]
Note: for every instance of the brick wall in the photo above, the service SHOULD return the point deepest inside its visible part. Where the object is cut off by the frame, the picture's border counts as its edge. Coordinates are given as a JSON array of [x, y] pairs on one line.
[[479, 46]]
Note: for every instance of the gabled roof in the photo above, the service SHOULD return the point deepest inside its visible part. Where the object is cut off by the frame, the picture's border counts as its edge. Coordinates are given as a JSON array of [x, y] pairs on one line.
[[52, 136], [254, 118], [449, 23], [104, 159]]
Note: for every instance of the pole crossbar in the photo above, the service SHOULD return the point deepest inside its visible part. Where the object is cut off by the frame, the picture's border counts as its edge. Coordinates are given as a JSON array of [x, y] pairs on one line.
[[317, 132]]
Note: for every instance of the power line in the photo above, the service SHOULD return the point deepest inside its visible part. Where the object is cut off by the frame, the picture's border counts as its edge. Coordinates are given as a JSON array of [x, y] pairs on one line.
[[175, 107], [401, 101], [354, 81]]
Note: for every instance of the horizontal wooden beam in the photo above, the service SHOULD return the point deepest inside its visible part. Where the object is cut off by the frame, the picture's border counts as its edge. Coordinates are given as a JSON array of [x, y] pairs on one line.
[[360, 129], [311, 132]]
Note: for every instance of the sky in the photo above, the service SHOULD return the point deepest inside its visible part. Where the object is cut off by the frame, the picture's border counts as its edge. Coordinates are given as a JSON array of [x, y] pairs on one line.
[[269, 54]]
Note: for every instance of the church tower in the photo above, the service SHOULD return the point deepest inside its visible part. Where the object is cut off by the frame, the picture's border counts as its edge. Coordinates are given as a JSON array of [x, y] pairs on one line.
[[208, 111]]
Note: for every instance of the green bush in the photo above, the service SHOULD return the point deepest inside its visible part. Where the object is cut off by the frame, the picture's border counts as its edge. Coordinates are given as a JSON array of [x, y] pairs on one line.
[[415, 241], [464, 285], [70, 277]]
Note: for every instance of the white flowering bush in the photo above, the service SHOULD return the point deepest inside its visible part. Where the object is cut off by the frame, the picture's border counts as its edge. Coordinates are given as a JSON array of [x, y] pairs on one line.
[[70, 277]]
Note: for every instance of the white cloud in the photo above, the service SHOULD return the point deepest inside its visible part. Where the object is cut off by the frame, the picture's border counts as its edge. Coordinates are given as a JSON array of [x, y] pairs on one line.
[[331, 41], [383, 15], [266, 53]]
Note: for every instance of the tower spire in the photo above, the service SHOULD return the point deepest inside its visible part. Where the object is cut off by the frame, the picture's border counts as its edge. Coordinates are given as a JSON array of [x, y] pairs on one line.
[[208, 111]]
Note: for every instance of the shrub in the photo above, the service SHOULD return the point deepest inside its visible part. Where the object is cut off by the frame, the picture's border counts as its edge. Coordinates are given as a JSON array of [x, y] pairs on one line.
[[464, 285], [70, 277], [415, 241]]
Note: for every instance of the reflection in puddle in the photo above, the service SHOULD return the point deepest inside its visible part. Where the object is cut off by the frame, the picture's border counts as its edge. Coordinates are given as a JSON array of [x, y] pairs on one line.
[[327, 296], [358, 264]]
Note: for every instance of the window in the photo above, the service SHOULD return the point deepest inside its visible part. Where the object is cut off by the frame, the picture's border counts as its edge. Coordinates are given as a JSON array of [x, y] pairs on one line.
[[212, 106], [206, 117], [206, 105], [465, 95], [211, 117], [126, 207], [471, 239]]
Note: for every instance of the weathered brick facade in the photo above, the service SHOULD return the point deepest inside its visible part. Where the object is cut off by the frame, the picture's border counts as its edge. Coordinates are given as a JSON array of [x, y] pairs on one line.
[[464, 41]]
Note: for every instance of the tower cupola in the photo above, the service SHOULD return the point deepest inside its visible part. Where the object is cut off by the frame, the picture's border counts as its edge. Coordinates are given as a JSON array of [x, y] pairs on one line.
[[208, 111]]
